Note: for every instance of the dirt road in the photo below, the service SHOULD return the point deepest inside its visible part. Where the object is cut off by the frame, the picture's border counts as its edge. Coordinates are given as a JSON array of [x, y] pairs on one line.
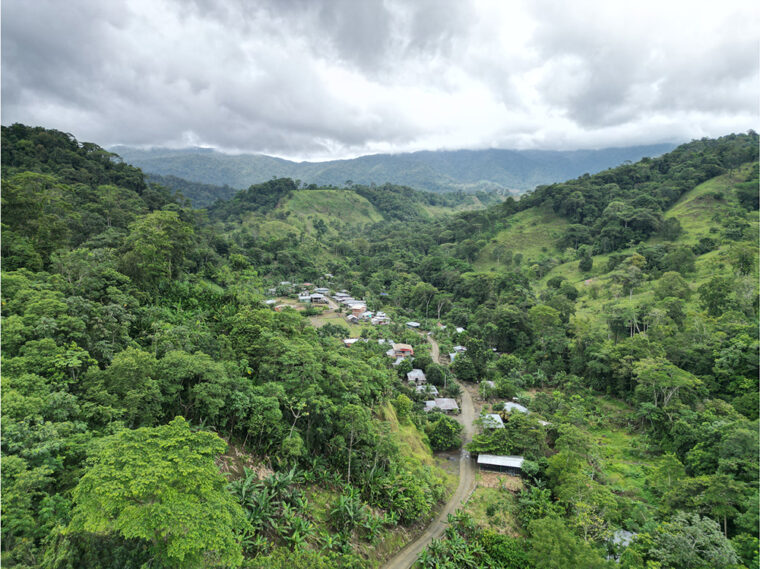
[[407, 556], [435, 353]]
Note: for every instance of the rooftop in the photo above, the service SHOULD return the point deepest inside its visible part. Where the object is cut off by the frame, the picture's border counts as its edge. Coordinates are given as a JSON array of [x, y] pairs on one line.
[[500, 460], [509, 406], [493, 421], [442, 403]]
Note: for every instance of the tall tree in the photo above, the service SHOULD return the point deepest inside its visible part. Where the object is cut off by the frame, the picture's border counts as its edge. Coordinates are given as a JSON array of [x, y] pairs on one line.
[[162, 485]]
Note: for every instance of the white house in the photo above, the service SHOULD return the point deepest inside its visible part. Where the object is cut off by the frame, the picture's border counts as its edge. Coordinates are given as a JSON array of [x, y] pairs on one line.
[[416, 375]]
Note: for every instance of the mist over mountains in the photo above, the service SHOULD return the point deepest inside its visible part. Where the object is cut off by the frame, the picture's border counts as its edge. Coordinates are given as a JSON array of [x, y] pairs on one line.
[[437, 171]]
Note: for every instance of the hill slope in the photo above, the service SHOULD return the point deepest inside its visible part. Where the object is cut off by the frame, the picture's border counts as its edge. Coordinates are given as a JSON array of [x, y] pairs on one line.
[[439, 171]]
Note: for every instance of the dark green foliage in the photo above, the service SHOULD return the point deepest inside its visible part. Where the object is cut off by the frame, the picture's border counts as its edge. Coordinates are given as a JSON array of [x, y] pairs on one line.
[[444, 433], [257, 198], [200, 195], [46, 151], [747, 191]]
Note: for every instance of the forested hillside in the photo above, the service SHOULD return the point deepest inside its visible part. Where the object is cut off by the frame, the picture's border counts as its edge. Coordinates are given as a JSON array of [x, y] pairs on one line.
[[440, 171], [157, 412]]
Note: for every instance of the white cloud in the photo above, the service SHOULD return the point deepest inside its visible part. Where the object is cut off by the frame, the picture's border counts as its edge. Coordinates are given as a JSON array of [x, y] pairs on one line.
[[316, 80]]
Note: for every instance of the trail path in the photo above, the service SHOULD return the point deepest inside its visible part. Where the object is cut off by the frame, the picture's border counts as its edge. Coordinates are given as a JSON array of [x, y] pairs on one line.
[[405, 558]]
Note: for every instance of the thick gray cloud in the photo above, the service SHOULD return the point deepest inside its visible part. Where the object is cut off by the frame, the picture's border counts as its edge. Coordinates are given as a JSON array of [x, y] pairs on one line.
[[327, 79]]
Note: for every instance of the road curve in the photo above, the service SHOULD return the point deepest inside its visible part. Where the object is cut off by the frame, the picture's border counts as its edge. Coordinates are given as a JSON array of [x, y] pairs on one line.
[[405, 558]]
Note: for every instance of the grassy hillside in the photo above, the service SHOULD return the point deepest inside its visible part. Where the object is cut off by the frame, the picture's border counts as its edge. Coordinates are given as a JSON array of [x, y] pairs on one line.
[[331, 205], [533, 233], [697, 212], [698, 209]]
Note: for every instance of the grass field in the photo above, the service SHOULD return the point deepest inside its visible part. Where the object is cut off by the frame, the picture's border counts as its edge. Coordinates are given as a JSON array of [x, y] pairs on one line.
[[493, 504], [533, 232], [330, 205]]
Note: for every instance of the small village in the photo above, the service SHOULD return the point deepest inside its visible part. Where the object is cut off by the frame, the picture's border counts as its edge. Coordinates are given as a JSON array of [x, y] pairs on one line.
[[340, 305]]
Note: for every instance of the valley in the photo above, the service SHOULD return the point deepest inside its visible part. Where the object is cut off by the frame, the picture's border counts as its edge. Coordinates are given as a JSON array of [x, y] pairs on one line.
[[179, 391]]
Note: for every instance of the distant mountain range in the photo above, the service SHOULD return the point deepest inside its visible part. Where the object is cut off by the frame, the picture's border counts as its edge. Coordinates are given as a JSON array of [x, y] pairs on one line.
[[437, 171]]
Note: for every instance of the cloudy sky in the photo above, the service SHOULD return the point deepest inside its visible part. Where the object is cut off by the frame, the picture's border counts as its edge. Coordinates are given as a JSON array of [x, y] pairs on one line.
[[312, 80]]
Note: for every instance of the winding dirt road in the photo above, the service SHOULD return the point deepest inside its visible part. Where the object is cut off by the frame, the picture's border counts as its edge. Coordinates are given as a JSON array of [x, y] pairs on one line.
[[405, 558]]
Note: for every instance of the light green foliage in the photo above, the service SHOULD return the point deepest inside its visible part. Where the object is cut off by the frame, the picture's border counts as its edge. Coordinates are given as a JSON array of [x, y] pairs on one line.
[[553, 546], [161, 484]]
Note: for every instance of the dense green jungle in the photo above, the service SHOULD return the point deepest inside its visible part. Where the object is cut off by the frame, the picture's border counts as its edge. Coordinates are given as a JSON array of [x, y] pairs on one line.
[[168, 400]]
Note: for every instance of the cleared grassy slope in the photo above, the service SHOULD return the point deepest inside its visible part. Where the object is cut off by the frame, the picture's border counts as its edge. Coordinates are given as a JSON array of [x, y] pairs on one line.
[[697, 208], [329, 205], [697, 211], [533, 232]]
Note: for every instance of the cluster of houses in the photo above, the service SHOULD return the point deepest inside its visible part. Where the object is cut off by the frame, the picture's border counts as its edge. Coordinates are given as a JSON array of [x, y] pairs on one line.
[[317, 296], [444, 404], [359, 312]]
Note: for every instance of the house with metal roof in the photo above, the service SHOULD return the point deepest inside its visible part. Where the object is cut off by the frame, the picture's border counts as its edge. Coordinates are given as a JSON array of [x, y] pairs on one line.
[[403, 350], [492, 421], [445, 404], [509, 407], [416, 376], [428, 389], [500, 463]]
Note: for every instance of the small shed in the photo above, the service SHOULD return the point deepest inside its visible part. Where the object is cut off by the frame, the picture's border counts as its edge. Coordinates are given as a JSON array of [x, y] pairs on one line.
[[452, 355], [352, 319], [459, 349], [509, 464], [270, 302], [493, 421], [348, 342], [417, 376], [413, 324], [509, 407], [427, 389], [459, 330]]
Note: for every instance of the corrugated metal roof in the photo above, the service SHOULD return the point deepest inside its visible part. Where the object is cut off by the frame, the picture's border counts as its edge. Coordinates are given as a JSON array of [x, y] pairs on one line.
[[509, 406], [496, 460], [446, 404], [493, 421]]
